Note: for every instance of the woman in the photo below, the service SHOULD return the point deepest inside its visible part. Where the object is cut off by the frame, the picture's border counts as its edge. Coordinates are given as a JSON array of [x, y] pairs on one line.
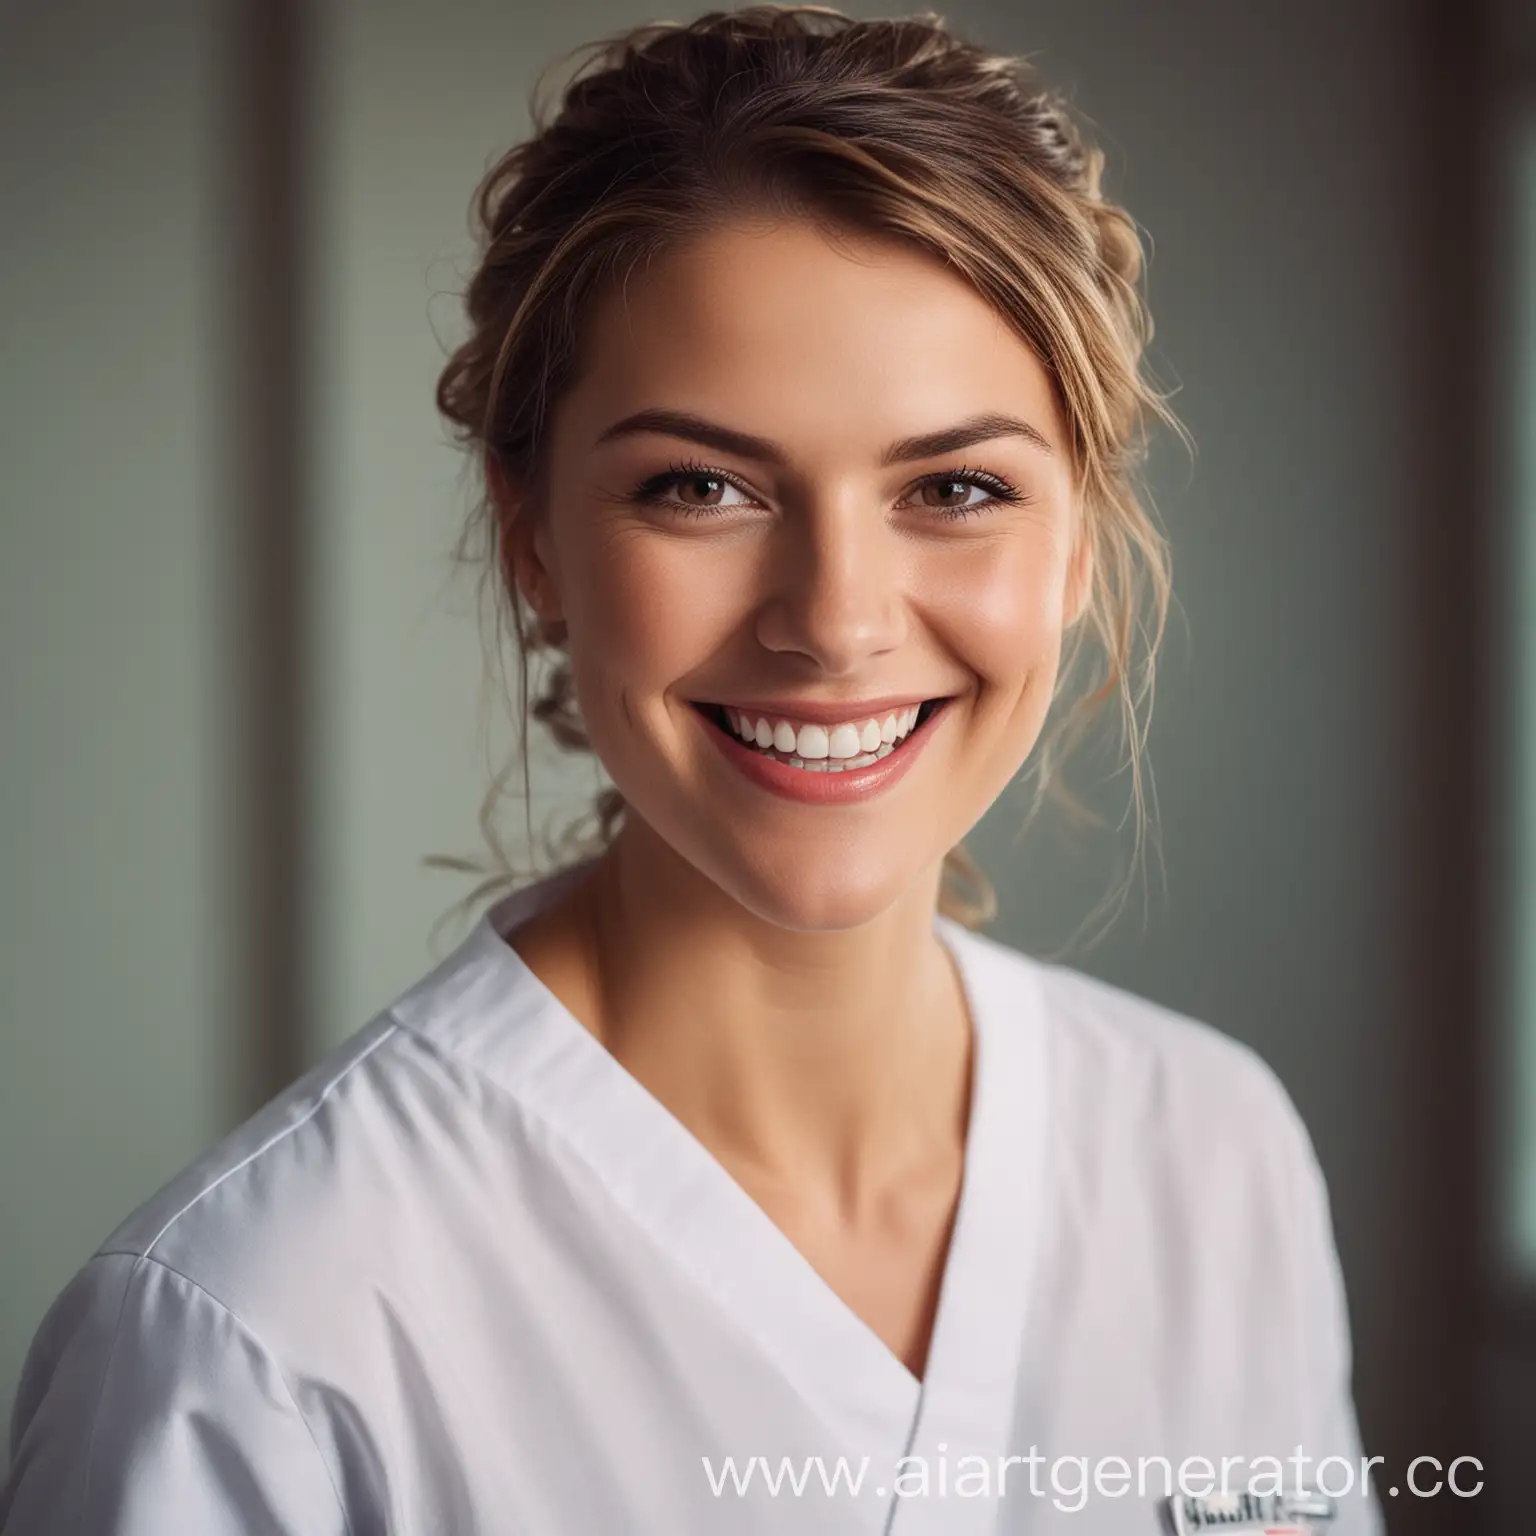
[[727, 1179]]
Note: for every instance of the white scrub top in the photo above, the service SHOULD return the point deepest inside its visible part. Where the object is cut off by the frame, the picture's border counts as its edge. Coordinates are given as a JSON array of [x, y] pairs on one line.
[[468, 1276]]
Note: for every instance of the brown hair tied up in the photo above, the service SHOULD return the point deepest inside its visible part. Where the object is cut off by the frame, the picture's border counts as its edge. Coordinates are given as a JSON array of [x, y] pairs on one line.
[[897, 129]]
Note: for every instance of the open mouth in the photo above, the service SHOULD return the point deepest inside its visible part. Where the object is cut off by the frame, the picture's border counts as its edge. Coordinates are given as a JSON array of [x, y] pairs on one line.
[[817, 749]]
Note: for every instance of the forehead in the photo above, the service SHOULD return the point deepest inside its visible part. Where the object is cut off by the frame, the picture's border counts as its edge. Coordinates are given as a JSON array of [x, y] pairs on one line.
[[782, 328]]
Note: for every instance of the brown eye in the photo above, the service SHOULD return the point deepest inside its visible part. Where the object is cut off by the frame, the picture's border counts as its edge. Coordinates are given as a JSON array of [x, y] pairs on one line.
[[690, 490], [952, 493], [952, 489], [707, 486]]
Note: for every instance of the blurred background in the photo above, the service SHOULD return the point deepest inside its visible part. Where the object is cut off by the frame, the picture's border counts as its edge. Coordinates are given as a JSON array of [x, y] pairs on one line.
[[240, 677]]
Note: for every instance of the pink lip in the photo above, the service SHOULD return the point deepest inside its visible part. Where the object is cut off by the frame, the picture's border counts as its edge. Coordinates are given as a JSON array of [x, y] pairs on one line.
[[813, 788]]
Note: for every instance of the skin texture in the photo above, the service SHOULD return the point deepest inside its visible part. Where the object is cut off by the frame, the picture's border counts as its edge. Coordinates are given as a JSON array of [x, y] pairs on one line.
[[767, 969]]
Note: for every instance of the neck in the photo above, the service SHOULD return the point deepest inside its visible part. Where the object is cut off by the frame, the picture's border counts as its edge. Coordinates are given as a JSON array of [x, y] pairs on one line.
[[838, 1058]]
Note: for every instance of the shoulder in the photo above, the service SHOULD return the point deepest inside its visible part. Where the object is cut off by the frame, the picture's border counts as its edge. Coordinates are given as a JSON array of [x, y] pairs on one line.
[[1150, 1093], [197, 1306], [1166, 1063], [305, 1191], [291, 1146], [249, 1266], [156, 1389], [1172, 1141], [347, 1174], [1187, 1201]]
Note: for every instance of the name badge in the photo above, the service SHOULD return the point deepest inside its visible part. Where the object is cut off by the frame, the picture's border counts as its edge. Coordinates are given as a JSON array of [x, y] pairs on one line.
[[1285, 1514]]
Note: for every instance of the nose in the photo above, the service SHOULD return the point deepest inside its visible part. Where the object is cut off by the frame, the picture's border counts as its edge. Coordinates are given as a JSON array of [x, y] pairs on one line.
[[836, 586]]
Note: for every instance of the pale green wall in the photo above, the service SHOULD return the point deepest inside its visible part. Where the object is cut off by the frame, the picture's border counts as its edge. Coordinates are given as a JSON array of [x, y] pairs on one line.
[[114, 1012], [412, 108]]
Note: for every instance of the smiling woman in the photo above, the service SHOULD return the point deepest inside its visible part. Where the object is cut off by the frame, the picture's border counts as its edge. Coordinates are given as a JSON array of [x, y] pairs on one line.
[[833, 564], [804, 368], [791, 228]]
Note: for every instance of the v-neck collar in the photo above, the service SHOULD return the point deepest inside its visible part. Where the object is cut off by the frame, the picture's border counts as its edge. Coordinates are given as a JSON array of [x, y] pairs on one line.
[[486, 1005], [969, 1389]]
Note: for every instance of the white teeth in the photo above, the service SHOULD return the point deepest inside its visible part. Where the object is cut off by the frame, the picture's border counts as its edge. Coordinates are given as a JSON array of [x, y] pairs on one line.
[[843, 742], [834, 765], [817, 746], [811, 742]]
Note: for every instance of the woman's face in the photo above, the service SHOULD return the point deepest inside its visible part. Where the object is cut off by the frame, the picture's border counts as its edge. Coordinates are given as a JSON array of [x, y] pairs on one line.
[[746, 533]]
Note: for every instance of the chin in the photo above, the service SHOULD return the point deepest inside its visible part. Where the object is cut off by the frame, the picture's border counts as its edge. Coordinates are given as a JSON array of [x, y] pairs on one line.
[[811, 893], [798, 881]]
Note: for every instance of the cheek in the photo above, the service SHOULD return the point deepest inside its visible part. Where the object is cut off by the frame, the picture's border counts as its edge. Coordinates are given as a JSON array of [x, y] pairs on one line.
[[1002, 611], [644, 612]]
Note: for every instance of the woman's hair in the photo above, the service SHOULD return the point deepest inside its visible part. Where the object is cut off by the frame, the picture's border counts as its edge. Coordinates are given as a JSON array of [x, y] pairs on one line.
[[892, 129]]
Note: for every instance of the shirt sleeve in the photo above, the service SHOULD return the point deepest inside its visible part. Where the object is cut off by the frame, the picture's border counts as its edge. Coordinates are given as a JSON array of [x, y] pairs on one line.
[[145, 1407], [1359, 1511]]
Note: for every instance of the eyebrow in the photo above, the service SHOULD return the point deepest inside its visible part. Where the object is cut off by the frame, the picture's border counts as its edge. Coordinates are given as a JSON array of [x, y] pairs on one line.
[[983, 428]]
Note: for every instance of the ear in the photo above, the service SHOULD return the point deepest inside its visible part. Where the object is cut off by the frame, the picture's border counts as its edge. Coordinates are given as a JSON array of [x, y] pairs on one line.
[[525, 548], [1079, 576]]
